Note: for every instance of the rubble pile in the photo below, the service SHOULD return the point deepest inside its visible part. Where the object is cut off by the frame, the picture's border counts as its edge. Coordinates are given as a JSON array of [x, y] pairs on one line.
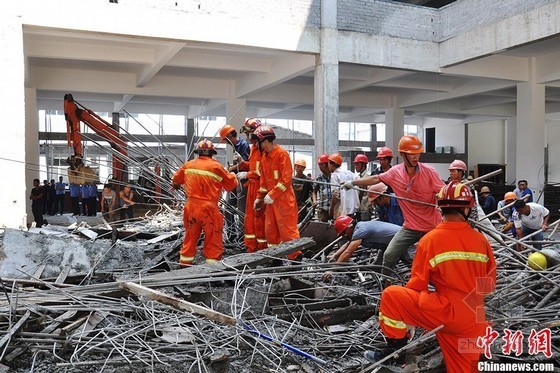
[[74, 304]]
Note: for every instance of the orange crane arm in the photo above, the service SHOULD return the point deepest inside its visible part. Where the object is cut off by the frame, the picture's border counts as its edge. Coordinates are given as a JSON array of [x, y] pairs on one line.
[[74, 115]]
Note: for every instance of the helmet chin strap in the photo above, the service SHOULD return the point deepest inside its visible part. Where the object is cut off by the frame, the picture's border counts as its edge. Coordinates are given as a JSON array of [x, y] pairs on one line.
[[462, 212], [408, 163]]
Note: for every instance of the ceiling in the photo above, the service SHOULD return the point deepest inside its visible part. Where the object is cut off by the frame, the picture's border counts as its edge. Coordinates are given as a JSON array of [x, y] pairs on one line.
[[110, 73]]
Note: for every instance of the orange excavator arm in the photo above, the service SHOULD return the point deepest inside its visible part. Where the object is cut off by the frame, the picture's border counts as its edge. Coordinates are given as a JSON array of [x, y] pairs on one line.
[[74, 115]]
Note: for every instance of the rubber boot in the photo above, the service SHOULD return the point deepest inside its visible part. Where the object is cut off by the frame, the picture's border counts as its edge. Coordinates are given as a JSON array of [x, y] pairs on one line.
[[392, 346]]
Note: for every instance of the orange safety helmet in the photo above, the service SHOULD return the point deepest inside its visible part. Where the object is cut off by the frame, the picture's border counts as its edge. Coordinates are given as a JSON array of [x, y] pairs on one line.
[[301, 162], [341, 223], [385, 152], [375, 190], [361, 158], [336, 158], [250, 125], [458, 165], [205, 147], [323, 158], [410, 144], [226, 130], [264, 133], [455, 194], [510, 196]]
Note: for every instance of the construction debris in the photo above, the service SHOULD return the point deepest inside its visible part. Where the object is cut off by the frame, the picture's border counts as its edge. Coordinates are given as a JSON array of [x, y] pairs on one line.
[[76, 302]]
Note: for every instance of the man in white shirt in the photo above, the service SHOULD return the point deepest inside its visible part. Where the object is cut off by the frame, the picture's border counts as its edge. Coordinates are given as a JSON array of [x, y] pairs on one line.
[[344, 202], [529, 218]]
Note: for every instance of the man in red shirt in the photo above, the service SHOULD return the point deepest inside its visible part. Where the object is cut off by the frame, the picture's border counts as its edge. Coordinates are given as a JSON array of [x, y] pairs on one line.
[[413, 180], [459, 263], [204, 178]]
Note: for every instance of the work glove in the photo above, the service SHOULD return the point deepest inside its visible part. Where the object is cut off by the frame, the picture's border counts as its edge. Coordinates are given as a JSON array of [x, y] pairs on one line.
[[257, 204], [348, 185], [268, 200], [242, 175]]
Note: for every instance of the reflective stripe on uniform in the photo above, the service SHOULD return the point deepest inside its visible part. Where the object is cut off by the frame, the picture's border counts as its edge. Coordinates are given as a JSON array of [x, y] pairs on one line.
[[250, 236], [458, 255], [264, 190], [210, 261], [281, 186], [390, 322], [275, 174], [186, 259], [203, 173], [261, 240], [258, 168]]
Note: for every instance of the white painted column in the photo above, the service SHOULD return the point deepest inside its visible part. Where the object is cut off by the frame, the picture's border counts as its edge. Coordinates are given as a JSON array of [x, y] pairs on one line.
[[31, 146], [15, 198], [510, 155], [326, 85], [394, 129], [530, 141]]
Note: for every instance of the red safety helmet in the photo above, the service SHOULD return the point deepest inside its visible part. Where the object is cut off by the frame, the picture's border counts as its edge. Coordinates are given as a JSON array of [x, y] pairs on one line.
[[205, 147], [385, 152], [410, 144], [323, 158], [226, 130], [250, 125], [455, 194], [375, 190], [264, 133], [458, 165], [336, 158], [361, 158], [341, 223]]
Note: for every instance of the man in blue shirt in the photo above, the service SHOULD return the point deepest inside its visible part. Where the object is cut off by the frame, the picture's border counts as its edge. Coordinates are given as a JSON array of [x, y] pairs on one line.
[[60, 188], [236, 198], [522, 190], [388, 209], [372, 234], [75, 197]]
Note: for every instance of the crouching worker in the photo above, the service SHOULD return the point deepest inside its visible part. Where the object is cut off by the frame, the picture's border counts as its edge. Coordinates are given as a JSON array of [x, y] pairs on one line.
[[372, 234], [204, 178], [458, 261]]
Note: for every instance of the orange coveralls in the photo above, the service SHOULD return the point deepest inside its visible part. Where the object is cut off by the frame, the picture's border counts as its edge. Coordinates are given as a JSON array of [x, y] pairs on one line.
[[204, 178], [460, 264], [276, 180], [255, 238]]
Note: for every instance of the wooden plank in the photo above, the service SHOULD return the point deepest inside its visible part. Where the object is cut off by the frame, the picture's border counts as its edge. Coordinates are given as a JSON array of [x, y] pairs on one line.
[[91, 323], [39, 271], [63, 274], [14, 329], [177, 303], [163, 237]]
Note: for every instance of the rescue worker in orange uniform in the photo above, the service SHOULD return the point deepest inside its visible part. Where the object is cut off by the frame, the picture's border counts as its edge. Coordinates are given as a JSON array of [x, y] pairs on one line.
[[458, 261], [204, 178], [254, 219], [276, 191]]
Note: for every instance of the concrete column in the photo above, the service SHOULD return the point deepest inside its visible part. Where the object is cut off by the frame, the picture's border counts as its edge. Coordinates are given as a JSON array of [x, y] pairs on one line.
[[509, 150], [189, 146], [326, 99], [530, 139], [31, 145], [17, 162], [394, 129]]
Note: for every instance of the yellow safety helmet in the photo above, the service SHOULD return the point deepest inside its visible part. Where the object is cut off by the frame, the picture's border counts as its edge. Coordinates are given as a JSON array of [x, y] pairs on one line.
[[537, 261]]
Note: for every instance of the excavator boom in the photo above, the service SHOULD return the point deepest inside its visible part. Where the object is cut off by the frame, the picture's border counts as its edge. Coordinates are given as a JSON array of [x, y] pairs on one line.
[[74, 115]]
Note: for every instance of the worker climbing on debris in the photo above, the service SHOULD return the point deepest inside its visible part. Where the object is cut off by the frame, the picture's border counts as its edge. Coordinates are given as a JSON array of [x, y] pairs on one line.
[[417, 182], [254, 238], [459, 263], [530, 219], [276, 191], [344, 202], [237, 198], [204, 178], [373, 234]]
